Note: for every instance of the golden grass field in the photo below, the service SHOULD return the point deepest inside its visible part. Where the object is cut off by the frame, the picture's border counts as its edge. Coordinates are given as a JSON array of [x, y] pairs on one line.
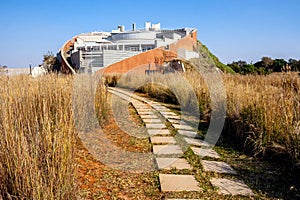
[[38, 135], [262, 112]]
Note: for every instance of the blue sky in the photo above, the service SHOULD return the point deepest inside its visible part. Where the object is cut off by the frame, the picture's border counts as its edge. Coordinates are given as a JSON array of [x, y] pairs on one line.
[[232, 29]]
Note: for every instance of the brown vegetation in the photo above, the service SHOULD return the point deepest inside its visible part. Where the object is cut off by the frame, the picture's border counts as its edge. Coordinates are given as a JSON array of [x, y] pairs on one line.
[[37, 145], [39, 139], [263, 112]]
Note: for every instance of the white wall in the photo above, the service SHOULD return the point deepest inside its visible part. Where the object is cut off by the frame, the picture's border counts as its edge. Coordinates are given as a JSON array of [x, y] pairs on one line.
[[185, 54], [166, 41], [113, 56]]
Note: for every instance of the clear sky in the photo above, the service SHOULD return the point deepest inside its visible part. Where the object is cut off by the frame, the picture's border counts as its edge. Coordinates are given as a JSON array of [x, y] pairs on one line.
[[232, 29]]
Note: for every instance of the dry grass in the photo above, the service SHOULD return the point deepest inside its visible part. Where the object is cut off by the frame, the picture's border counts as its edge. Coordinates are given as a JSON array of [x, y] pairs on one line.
[[267, 111], [263, 112], [37, 138], [38, 134]]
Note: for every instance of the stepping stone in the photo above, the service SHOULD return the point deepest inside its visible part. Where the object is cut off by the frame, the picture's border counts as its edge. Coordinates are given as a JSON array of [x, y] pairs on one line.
[[176, 121], [183, 127], [168, 113], [177, 183], [145, 113], [123, 97], [158, 107], [143, 109], [153, 132], [152, 103], [218, 167], [152, 121], [169, 163], [196, 142], [156, 126], [148, 116], [205, 152], [191, 134], [233, 187], [172, 117], [167, 149], [163, 110], [141, 106], [162, 140]]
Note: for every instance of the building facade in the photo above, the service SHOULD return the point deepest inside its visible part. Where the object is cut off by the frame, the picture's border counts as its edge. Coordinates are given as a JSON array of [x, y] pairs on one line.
[[91, 52]]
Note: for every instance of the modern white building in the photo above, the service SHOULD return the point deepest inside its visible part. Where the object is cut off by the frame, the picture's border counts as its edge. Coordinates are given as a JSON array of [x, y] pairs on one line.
[[96, 50]]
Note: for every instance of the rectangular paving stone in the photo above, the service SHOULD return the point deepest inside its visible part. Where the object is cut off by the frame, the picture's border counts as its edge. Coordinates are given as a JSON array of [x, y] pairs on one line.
[[158, 107], [143, 110], [148, 116], [163, 109], [233, 187], [153, 132], [152, 103], [145, 113], [152, 121], [155, 126], [191, 134], [168, 113], [176, 121], [196, 142], [141, 106], [183, 127], [169, 163], [162, 140], [134, 101], [172, 117], [169, 149], [218, 167], [178, 183], [205, 152], [123, 97]]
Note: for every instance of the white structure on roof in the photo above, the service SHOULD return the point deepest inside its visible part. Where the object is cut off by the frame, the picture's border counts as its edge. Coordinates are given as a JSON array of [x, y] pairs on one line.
[[96, 50]]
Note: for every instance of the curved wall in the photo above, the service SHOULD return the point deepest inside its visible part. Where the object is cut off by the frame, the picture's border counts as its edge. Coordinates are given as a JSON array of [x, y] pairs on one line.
[[145, 61]]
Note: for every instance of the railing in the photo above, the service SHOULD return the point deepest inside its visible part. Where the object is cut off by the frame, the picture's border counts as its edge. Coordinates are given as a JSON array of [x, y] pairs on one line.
[[63, 53]]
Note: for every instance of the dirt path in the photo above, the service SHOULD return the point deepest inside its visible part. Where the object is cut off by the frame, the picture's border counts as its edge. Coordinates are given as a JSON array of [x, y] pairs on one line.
[[146, 151]]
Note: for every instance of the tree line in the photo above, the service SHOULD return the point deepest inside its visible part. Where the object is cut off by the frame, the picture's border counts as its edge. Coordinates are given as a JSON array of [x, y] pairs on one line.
[[265, 66]]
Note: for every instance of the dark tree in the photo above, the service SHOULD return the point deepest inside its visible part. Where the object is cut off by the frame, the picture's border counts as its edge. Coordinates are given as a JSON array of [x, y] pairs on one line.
[[266, 62], [243, 67], [278, 65], [235, 67], [294, 64], [3, 69], [51, 63]]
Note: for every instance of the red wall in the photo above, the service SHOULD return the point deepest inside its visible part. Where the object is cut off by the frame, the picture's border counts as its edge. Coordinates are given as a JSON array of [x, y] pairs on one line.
[[139, 63]]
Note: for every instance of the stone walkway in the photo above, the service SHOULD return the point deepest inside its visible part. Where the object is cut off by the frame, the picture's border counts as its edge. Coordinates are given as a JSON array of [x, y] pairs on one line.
[[168, 153]]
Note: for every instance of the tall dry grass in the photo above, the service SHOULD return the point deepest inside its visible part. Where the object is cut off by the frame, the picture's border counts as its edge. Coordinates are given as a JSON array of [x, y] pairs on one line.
[[263, 112], [174, 88], [38, 137], [37, 144], [89, 103], [269, 106]]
